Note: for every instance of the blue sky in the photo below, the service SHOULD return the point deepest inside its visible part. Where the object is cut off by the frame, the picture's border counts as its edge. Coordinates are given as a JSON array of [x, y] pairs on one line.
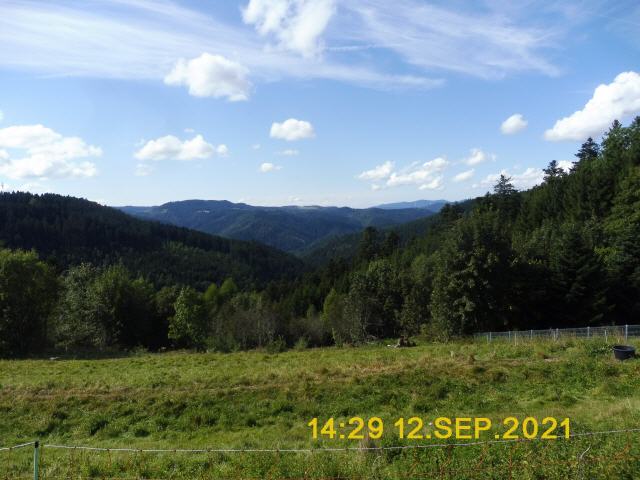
[[329, 102]]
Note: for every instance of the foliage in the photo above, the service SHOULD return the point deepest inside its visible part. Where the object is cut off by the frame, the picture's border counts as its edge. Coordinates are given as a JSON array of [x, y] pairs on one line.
[[188, 326], [289, 228], [68, 231], [564, 253], [28, 291]]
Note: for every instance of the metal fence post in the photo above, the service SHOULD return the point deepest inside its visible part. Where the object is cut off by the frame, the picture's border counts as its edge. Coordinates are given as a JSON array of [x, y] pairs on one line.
[[588, 332], [36, 459], [626, 332]]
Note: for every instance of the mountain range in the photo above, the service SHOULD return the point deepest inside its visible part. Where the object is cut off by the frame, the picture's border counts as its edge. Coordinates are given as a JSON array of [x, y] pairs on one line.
[[434, 205], [68, 231], [293, 229]]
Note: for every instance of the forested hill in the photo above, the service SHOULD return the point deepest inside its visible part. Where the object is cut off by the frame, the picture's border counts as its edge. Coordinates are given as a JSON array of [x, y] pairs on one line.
[[565, 253], [289, 228], [68, 231], [346, 246]]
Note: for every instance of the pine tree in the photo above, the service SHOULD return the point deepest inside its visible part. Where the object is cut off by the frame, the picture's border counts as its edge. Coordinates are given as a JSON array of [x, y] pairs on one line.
[[504, 188], [552, 171], [588, 151], [578, 279]]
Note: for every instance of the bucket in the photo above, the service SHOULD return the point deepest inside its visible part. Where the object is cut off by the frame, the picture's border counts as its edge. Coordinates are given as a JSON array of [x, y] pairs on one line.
[[624, 352]]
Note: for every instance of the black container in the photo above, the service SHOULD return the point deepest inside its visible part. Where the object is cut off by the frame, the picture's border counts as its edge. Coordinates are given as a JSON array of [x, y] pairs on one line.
[[624, 352]]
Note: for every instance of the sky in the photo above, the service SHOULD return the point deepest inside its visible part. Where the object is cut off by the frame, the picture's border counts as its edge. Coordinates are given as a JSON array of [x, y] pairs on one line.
[[306, 102]]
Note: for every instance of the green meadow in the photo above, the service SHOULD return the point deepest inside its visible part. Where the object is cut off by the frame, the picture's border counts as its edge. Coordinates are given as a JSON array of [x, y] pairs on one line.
[[258, 400]]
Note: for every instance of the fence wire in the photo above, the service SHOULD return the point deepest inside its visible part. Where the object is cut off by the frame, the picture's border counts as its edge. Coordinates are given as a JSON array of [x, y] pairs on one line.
[[323, 449], [446, 466], [606, 332]]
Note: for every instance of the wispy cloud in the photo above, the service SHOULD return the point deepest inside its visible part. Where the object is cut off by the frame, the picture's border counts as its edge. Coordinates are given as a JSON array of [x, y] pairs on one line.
[[527, 179], [474, 42], [143, 40], [316, 39], [427, 175]]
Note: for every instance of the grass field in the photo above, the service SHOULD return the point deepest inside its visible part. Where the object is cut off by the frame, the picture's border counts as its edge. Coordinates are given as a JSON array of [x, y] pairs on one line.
[[260, 400]]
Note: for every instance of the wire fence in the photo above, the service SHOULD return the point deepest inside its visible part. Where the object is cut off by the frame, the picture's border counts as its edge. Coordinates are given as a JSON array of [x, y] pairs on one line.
[[617, 332], [509, 462]]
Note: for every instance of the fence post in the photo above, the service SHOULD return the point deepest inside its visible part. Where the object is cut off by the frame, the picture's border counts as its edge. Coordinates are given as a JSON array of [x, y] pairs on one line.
[[490, 337], [588, 332], [626, 332], [36, 459]]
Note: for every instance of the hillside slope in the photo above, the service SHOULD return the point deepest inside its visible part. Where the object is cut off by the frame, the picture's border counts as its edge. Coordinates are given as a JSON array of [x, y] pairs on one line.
[[346, 246], [562, 254], [67, 231], [288, 228]]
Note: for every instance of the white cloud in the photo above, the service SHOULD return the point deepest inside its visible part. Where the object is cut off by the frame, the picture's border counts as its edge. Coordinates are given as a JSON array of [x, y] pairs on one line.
[[565, 165], [378, 173], [464, 176], [172, 148], [222, 150], [292, 129], [296, 24], [1, 115], [142, 39], [189, 130], [256, 146], [290, 152], [477, 156], [434, 184], [424, 175], [211, 76], [44, 153], [617, 100], [269, 167], [514, 124], [143, 170], [522, 181]]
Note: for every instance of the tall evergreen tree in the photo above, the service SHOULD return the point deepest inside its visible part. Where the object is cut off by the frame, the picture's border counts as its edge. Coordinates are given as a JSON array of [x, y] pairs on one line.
[[589, 151]]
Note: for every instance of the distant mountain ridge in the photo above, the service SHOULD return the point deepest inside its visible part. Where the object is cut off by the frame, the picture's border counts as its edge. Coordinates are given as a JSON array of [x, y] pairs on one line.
[[434, 205], [289, 228], [68, 231]]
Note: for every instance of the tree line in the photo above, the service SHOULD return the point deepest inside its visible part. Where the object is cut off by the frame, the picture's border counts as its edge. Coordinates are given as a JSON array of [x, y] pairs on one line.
[[565, 253]]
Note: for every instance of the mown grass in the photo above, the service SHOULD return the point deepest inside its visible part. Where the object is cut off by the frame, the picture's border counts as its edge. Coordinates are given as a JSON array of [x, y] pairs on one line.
[[260, 400]]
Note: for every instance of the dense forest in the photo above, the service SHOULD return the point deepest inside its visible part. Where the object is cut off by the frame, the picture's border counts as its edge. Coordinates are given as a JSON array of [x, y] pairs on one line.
[[291, 228], [565, 253], [68, 231]]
